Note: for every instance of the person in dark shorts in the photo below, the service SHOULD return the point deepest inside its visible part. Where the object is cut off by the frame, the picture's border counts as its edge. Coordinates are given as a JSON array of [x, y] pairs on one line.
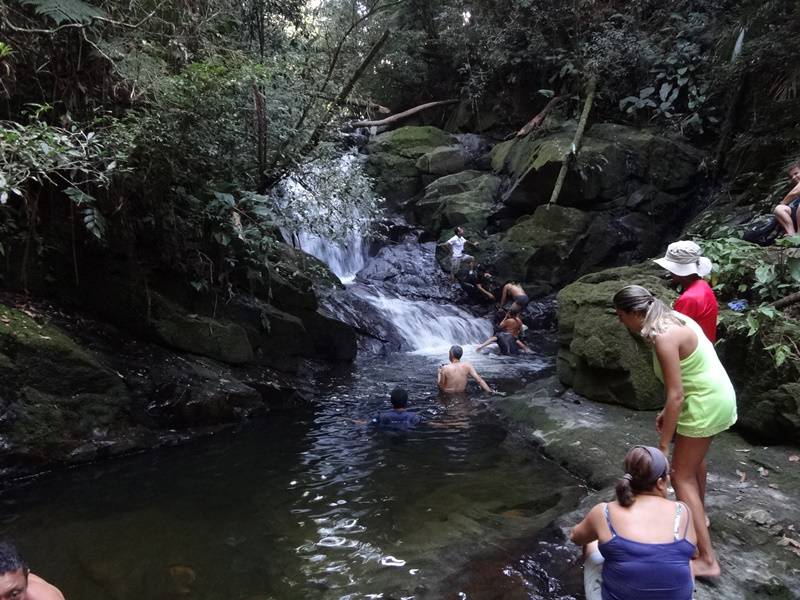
[[18, 583], [399, 417], [513, 291], [507, 338], [786, 211]]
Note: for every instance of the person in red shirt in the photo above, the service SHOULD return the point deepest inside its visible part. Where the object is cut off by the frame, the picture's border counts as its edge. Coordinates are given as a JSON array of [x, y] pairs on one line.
[[685, 261]]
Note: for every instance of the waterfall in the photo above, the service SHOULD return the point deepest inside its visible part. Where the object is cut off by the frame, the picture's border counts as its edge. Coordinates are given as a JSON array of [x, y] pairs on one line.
[[345, 258], [426, 327], [737, 48]]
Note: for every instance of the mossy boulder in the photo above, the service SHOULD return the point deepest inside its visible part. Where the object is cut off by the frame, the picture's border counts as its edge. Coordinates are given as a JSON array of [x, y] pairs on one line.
[[613, 161], [541, 249], [597, 356], [466, 199], [393, 155], [32, 350], [442, 161], [767, 396]]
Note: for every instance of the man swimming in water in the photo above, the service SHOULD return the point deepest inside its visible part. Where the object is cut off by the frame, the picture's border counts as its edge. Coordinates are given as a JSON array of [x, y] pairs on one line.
[[399, 417], [452, 378], [18, 583]]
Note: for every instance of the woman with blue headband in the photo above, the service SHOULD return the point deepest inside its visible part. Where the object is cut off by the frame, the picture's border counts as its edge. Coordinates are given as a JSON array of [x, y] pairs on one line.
[[639, 547]]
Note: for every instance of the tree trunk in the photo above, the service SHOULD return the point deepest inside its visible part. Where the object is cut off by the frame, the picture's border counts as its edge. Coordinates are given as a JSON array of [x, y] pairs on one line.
[[591, 88], [394, 119], [316, 135]]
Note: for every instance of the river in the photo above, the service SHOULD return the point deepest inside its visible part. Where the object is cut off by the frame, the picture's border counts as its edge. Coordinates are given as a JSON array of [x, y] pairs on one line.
[[307, 503]]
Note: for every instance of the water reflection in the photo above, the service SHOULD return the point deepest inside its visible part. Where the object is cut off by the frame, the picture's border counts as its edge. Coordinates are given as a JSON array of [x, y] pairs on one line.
[[304, 505]]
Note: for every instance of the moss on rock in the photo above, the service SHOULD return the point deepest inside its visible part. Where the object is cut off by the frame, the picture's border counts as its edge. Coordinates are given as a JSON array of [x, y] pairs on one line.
[[597, 356]]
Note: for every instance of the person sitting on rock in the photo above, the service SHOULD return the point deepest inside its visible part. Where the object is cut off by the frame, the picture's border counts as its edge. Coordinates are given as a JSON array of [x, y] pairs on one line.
[[787, 211], [399, 417], [512, 290], [700, 401], [452, 378], [638, 547], [18, 583], [687, 265], [479, 282], [457, 256], [507, 337]]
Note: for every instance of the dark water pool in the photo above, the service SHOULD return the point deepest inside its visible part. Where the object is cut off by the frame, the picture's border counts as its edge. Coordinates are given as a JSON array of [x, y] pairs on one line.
[[306, 504]]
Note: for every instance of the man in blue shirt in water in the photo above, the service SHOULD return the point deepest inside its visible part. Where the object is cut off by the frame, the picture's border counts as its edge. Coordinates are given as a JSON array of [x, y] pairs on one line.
[[399, 417]]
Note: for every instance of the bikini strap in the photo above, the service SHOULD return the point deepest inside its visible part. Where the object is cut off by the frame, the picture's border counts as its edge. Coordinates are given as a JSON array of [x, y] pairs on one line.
[[608, 521], [678, 511], [688, 519]]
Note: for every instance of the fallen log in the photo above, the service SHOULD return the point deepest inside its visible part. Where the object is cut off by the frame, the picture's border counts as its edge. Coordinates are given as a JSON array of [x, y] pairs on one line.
[[402, 115], [536, 121]]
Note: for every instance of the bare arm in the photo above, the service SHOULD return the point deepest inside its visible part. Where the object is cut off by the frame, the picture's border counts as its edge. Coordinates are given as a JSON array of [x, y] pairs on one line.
[[794, 193], [667, 352], [484, 291], [503, 295], [586, 531], [440, 379], [484, 386]]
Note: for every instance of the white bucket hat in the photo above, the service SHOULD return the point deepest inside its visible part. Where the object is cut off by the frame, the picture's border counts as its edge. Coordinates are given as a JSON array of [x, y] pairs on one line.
[[685, 258]]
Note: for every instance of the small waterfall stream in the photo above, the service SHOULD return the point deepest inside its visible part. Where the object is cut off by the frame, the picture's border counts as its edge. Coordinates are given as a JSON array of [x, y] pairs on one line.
[[399, 285]]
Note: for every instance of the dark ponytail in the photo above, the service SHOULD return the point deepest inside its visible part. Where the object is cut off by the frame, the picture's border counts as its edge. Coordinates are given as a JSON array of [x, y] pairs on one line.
[[625, 495], [644, 466]]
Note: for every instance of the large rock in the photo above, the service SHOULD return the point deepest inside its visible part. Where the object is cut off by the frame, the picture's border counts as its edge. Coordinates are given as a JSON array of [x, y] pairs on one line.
[[466, 199], [767, 396], [597, 356], [540, 249], [442, 161], [393, 155], [614, 161]]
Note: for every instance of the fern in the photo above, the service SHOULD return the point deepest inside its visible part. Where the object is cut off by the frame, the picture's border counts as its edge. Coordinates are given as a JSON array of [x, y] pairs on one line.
[[65, 11]]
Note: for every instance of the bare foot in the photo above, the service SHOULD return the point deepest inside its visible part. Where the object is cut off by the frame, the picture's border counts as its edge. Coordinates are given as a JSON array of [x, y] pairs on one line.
[[704, 568]]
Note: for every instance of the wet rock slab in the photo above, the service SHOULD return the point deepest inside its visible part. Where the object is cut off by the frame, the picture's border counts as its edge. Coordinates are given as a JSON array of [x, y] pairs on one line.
[[753, 497]]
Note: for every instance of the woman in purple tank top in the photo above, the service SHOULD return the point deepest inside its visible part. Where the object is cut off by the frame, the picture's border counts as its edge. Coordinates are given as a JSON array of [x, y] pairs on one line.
[[643, 542]]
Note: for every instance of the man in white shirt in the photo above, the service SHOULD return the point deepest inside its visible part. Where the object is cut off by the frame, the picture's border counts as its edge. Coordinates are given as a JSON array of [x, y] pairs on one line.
[[457, 256]]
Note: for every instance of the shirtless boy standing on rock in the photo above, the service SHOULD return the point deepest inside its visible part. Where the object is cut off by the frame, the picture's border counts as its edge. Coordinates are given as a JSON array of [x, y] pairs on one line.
[[452, 378]]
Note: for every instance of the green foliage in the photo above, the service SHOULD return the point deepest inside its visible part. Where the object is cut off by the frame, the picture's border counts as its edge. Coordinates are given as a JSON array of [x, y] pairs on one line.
[[745, 270], [65, 11]]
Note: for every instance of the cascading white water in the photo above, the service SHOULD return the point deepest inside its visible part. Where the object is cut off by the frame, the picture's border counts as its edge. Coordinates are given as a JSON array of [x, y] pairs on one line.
[[345, 258], [427, 327], [737, 48]]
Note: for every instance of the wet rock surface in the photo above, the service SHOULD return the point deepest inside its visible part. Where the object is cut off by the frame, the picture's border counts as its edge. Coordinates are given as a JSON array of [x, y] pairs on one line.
[[753, 496], [75, 389]]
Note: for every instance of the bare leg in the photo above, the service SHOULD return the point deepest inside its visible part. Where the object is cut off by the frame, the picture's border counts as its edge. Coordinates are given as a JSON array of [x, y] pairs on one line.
[[687, 458], [702, 476], [491, 340], [784, 215]]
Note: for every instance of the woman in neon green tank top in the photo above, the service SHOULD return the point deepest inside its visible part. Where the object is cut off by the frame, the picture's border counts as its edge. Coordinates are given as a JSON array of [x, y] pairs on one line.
[[700, 401]]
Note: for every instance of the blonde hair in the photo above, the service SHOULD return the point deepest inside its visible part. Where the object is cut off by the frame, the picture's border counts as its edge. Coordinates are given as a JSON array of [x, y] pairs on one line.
[[658, 317]]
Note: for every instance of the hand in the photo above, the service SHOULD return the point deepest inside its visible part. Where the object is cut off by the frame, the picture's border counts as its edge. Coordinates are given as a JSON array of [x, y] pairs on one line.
[[659, 421]]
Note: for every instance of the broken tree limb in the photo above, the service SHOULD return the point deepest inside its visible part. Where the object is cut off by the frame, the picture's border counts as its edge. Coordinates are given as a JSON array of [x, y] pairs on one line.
[[787, 300], [402, 115], [536, 121], [591, 88]]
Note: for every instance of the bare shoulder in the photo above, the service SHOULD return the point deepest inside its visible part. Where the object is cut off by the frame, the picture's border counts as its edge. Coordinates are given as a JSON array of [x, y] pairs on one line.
[[39, 589]]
